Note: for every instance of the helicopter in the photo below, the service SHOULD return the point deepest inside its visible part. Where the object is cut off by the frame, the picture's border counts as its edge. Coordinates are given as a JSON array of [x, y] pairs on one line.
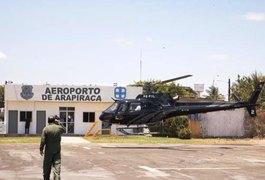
[[155, 107]]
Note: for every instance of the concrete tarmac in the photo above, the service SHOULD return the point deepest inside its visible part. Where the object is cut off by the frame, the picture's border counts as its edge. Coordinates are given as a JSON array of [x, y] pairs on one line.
[[83, 160]]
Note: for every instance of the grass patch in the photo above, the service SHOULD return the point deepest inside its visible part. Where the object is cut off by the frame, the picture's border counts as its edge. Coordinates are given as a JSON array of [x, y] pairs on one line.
[[16, 140], [165, 140], [139, 140]]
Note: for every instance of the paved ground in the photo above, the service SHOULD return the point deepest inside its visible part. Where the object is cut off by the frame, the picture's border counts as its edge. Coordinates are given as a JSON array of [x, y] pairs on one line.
[[82, 160]]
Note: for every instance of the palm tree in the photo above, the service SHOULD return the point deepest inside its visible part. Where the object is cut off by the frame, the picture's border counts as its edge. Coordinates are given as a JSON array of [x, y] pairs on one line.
[[213, 93]]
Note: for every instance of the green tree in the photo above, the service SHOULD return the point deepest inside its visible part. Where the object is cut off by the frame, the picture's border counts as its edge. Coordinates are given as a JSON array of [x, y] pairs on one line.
[[2, 96], [213, 93], [244, 86]]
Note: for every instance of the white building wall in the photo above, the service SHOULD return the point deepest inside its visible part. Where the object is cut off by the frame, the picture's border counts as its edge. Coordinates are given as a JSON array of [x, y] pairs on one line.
[[23, 106], [82, 127], [52, 108], [14, 100], [223, 123]]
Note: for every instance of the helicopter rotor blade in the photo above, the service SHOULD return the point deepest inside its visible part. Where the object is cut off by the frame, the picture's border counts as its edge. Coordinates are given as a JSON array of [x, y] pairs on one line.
[[177, 78]]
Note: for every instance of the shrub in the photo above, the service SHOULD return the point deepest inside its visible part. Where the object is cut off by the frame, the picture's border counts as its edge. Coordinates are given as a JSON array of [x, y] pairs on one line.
[[255, 127], [184, 133], [178, 127]]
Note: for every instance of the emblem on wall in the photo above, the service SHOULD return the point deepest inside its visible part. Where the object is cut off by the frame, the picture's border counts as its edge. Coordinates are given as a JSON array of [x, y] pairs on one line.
[[120, 92], [26, 92]]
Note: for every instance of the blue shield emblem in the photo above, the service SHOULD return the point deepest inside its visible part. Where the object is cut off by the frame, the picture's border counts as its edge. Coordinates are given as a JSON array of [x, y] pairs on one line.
[[26, 92], [120, 93]]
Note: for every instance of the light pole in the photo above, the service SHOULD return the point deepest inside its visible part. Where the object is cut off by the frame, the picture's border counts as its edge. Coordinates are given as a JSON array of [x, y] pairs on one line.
[[229, 89], [141, 57]]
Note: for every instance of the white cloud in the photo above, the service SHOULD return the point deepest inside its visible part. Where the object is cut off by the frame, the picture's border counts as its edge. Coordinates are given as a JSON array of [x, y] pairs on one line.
[[2, 56], [124, 42], [218, 56], [252, 16]]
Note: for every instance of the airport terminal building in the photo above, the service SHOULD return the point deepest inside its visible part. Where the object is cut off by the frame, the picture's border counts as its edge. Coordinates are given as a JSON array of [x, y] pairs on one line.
[[77, 106]]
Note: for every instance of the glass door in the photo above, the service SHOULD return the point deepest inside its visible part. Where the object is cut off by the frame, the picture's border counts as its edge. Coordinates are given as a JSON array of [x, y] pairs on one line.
[[63, 119], [67, 119], [71, 122]]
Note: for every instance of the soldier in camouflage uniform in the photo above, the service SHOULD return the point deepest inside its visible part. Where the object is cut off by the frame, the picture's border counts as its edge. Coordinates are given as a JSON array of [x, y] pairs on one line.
[[51, 140]]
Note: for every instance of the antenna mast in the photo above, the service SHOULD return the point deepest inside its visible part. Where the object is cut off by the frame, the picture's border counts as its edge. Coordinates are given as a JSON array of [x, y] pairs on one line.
[[141, 57]]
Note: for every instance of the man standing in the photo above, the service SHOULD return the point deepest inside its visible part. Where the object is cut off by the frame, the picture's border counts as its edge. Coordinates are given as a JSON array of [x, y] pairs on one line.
[[51, 140], [27, 125]]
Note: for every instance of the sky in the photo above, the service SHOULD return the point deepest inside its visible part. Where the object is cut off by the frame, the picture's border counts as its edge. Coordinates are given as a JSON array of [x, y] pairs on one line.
[[83, 42]]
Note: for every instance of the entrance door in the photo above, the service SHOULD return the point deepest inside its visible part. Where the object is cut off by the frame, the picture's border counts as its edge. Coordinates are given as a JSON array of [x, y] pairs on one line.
[[41, 121], [12, 122], [70, 122], [67, 118]]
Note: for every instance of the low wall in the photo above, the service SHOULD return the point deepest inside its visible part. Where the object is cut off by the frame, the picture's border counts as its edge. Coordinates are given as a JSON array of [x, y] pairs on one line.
[[219, 124]]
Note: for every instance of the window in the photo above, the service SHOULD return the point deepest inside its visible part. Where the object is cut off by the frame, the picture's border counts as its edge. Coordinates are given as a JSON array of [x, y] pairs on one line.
[[135, 107], [25, 115], [123, 107], [71, 109], [67, 108], [88, 116], [62, 108], [112, 108]]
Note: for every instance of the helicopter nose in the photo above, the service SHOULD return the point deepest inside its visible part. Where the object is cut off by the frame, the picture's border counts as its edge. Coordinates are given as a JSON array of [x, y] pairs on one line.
[[106, 117]]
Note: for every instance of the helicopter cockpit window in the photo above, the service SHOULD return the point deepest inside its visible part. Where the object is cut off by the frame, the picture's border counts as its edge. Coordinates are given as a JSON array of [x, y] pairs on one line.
[[112, 108], [135, 107], [123, 107]]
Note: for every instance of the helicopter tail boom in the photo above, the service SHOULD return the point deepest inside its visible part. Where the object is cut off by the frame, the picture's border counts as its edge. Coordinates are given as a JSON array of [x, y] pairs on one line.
[[252, 111]]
